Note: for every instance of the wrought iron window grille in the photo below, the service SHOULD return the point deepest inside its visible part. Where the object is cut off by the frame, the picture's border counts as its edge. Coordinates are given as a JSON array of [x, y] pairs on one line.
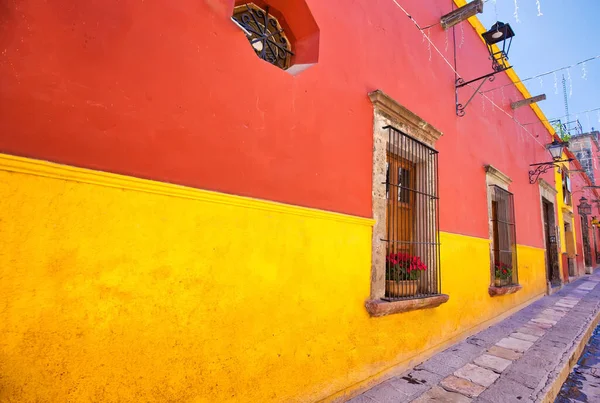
[[412, 219], [504, 238], [265, 34]]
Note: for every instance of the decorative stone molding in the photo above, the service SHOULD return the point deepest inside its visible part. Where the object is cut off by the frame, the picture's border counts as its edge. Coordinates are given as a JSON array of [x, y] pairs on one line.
[[567, 211], [497, 291], [383, 308], [548, 191], [497, 175], [403, 119]]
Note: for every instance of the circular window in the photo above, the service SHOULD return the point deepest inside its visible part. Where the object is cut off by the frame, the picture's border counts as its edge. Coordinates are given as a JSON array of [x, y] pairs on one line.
[[265, 34]]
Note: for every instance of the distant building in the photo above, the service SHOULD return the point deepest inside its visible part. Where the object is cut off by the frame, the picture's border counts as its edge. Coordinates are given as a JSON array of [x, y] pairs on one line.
[[585, 146]]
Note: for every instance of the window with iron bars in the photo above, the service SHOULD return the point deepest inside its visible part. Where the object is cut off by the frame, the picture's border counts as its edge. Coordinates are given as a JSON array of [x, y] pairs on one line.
[[265, 34], [504, 243], [412, 219]]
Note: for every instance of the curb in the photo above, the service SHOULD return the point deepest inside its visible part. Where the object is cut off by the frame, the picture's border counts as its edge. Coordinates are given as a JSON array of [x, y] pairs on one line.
[[551, 391]]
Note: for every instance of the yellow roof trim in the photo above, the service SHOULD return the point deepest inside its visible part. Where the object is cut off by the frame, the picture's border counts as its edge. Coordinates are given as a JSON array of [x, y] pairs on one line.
[[480, 29]]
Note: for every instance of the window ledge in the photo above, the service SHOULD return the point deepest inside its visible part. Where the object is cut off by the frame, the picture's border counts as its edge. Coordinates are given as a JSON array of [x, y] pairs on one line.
[[382, 308], [508, 289]]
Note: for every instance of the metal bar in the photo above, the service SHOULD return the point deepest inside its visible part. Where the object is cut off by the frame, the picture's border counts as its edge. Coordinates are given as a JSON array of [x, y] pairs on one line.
[[412, 220], [438, 262], [411, 138], [551, 163], [412, 190], [485, 77], [463, 107]]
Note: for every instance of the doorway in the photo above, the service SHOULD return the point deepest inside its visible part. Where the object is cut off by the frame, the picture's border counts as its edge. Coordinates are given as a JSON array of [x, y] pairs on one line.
[[550, 243], [585, 237]]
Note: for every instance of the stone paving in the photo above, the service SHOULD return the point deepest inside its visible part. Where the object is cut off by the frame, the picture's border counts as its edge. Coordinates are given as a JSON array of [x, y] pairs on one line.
[[515, 360], [583, 384]]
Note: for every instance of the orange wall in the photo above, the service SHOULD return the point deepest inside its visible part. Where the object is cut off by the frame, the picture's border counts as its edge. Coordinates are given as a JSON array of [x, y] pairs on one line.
[[172, 91]]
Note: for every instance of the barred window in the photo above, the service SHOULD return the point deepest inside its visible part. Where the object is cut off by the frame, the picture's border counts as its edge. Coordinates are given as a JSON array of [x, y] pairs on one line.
[[412, 235], [504, 243], [265, 34]]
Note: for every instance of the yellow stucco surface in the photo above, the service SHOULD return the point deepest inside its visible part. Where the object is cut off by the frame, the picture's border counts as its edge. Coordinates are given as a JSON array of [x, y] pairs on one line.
[[561, 207], [114, 289]]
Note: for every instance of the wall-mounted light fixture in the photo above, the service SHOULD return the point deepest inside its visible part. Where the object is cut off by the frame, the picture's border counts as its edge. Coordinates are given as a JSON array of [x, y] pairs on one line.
[[584, 207], [595, 222], [461, 14], [500, 34], [556, 149], [498, 37]]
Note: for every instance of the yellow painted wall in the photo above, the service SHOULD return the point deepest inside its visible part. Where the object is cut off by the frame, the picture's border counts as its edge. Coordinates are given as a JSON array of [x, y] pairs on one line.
[[114, 289], [560, 206]]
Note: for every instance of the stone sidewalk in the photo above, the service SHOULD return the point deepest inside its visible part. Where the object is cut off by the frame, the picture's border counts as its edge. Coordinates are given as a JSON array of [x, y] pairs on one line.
[[520, 359]]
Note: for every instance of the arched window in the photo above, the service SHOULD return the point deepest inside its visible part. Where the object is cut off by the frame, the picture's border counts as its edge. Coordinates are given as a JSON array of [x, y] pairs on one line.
[[265, 34]]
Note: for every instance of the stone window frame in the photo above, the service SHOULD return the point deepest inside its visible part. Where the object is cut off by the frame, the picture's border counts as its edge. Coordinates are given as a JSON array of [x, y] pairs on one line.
[[566, 186], [389, 112], [495, 177]]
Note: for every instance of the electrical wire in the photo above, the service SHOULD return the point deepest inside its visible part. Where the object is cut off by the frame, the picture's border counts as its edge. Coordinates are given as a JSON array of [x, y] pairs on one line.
[[545, 74], [564, 116], [459, 76], [429, 26], [425, 36]]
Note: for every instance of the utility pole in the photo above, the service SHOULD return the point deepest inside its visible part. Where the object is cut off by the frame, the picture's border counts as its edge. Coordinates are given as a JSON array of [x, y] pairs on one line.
[[564, 84]]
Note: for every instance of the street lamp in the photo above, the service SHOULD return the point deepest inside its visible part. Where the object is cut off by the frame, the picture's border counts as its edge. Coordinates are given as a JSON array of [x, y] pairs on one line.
[[584, 207], [499, 33], [498, 37], [556, 149]]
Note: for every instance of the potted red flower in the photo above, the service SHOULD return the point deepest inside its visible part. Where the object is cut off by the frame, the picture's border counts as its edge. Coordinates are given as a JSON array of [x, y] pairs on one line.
[[503, 274], [402, 274]]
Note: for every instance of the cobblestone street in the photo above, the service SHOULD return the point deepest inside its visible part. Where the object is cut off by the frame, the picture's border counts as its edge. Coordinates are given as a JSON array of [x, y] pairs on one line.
[[518, 359], [583, 384]]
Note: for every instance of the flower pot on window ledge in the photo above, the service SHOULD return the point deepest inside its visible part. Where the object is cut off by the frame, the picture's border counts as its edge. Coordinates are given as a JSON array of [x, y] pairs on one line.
[[403, 288], [403, 273], [502, 282]]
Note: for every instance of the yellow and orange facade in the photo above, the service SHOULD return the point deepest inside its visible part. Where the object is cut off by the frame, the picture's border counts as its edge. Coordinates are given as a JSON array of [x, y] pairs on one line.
[[183, 222]]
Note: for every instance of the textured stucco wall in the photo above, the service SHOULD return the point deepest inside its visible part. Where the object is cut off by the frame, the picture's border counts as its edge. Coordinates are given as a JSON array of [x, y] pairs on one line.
[[120, 290]]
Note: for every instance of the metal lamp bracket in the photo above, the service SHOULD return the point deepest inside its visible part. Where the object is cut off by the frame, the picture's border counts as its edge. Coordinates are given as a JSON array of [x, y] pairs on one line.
[[542, 168], [460, 108]]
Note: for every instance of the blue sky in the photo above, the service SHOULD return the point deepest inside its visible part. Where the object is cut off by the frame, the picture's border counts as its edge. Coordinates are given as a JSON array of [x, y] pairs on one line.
[[565, 34]]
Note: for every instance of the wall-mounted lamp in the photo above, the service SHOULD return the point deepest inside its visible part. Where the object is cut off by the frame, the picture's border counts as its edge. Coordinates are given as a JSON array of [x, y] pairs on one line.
[[500, 33], [556, 149], [595, 222], [528, 101], [461, 14], [584, 207], [499, 37]]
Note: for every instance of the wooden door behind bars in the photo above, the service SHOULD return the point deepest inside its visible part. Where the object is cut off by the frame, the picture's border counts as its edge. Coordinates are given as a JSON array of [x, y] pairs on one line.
[[400, 204]]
